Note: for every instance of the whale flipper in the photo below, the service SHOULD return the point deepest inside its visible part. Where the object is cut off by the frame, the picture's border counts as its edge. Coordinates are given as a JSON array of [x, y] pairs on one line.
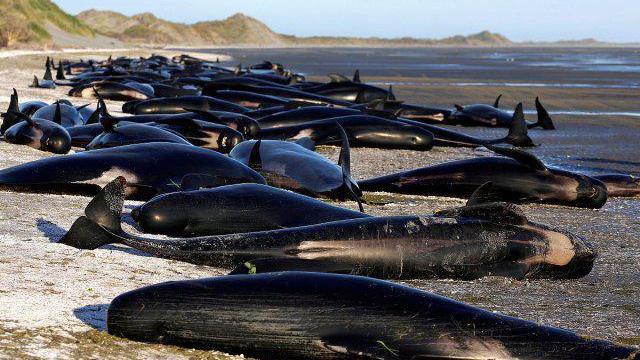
[[544, 120], [520, 156], [484, 194]]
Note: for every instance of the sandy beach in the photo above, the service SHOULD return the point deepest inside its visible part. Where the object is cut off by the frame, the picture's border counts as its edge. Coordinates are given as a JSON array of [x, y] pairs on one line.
[[54, 301]]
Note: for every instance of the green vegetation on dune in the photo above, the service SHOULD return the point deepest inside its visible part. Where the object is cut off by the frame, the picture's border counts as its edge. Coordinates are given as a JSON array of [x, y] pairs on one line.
[[32, 22], [241, 29], [26, 21]]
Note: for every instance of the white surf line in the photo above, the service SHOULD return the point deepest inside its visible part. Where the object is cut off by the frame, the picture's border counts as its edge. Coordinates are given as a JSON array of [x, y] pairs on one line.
[[588, 113], [508, 84], [14, 53]]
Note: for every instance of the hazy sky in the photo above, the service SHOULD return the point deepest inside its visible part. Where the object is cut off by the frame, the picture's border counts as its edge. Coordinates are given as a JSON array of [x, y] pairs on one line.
[[542, 20]]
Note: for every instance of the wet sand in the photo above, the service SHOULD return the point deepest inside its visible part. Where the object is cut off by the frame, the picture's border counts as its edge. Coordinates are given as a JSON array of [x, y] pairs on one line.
[[54, 300]]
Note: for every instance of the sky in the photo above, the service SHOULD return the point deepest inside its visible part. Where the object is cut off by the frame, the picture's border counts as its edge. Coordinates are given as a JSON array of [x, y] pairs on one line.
[[519, 20]]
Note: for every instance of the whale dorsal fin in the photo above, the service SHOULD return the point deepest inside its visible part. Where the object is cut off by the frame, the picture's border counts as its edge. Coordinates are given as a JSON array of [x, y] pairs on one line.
[[10, 117], [338, 78], [496, 104], [544, 120], [47, 73], [255, 162], [520, 156], [496, 212], [35, 82], [60, 72], [57, 116], [390, 94], [108, 122], [14, 104], [360, 97], [101, 104], [518, 132], [458, 107], [95, 116], [356, 76], [344, 161]]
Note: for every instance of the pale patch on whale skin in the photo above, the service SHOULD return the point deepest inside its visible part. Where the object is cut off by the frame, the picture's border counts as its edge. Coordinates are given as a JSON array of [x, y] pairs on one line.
[[303, 134], [114, 172], [560, 249], [470, 348]]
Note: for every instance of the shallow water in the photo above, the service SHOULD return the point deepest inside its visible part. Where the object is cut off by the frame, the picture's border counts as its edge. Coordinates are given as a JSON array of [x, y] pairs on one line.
[[577, 66]]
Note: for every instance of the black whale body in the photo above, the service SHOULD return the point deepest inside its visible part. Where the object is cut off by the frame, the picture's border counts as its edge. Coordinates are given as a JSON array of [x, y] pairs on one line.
[[150, 168], [234, 208], [520, 179], [465, 243], [298, 315]]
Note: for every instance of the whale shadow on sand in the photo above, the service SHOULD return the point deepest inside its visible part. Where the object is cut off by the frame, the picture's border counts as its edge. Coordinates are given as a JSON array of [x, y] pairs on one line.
[[94, 315]]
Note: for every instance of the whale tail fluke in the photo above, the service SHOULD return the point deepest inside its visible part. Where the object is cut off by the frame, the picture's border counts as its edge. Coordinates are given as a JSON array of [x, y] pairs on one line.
[[544, 120], [101, 219], [344, 161], [518, 134]]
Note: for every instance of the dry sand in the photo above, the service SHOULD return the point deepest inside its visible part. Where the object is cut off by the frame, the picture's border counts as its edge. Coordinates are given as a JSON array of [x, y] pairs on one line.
[[54, 299]]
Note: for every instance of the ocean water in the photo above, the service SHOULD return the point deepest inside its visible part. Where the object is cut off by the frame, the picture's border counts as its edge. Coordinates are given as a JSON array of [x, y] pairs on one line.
[[574, 67]]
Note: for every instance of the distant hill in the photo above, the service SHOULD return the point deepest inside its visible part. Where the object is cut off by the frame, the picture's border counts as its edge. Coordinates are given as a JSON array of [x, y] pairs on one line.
[[146, 28], [240, 29], [43, 23]]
